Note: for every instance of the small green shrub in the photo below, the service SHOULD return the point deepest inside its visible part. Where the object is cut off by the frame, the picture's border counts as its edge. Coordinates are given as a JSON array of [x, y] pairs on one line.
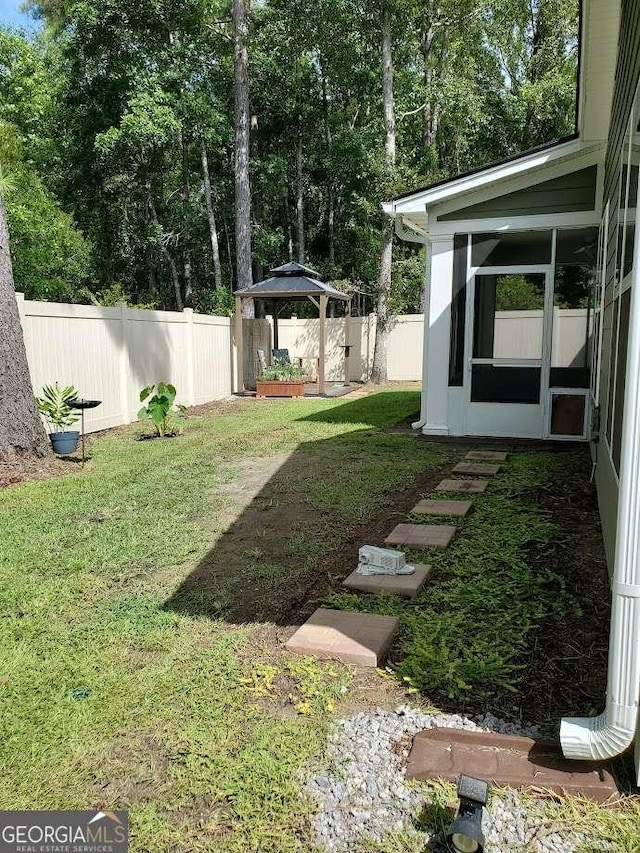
[[54, 406], [160, 409], [281, 371]]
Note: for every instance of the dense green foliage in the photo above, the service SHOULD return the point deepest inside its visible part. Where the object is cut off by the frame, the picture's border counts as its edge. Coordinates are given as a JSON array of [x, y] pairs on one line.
[[111, 108]]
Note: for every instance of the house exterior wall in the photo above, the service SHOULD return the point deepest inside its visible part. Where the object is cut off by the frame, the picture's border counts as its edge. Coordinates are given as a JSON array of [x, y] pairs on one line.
[[616, 284], [567, 193]]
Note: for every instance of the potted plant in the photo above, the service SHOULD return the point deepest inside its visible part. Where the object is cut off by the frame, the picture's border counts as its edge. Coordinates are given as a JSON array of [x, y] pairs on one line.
[[280, 379], [54, 407]]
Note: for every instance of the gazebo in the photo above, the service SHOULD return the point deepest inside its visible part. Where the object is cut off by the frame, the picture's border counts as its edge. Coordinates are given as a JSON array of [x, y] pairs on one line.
[[290, 282]]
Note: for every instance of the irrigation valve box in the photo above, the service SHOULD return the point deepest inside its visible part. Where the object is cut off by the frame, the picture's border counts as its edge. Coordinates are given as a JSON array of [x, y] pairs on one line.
[[382, 561]]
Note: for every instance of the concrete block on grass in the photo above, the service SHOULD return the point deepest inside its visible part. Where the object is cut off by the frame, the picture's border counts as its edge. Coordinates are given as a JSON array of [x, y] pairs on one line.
[[420, 536], [406, 585], [484, 469], [358, 638], [457, 509], [468, 487]]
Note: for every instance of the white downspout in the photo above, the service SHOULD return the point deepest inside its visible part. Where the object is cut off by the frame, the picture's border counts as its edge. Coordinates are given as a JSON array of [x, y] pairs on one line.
[[425, 341], [613, 731]]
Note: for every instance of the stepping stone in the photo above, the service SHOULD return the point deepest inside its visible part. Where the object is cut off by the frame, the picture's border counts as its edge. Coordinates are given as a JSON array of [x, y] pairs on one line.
[[469, 487], [481, 468], [407, 585], [487, 455], [359, 638], [421, 535], [452, 508], [516, 762]]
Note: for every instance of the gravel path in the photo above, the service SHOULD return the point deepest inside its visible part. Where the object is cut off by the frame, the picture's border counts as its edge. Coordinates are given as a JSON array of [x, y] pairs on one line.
[[364, 794]]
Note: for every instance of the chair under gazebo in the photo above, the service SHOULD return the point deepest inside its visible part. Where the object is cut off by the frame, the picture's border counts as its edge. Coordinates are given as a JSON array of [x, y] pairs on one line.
[[288, 283]]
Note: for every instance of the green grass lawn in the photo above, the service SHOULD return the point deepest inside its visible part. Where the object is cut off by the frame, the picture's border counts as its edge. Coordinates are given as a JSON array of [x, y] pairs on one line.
[[145, 600], [111, 697]]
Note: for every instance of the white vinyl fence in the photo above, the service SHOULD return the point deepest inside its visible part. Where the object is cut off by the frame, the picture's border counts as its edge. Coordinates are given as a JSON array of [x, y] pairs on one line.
[[519, 334], [110, 354], [302, 338]]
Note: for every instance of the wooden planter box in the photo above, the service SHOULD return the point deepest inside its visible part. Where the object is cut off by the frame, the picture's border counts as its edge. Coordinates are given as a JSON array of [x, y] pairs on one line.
[[280, 388]]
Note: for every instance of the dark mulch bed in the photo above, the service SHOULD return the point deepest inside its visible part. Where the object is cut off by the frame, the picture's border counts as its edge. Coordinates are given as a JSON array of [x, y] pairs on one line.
[[27, 467], [566, 662]]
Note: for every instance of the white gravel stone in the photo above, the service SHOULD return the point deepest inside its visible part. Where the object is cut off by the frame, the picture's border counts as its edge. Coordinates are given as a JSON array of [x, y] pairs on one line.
[[363, 793]]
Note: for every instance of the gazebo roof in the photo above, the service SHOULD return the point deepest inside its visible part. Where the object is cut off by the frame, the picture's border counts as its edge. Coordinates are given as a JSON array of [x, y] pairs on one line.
[[291, 281]]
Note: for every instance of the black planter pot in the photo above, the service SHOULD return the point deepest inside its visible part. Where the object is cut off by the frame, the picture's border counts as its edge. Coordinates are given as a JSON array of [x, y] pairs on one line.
[[64, 442]]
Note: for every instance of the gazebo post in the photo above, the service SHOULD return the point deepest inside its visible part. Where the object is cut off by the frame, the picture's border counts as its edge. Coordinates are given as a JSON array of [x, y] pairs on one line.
[[323, 343], [276, 335], [347, 342], [239, 347]]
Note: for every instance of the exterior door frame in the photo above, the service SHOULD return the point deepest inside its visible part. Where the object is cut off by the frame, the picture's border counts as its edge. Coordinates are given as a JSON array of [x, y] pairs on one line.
[[545, 361]]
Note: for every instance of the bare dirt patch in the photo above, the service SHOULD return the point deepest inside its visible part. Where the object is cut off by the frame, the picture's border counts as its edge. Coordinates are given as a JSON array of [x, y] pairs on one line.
[[281, 555]]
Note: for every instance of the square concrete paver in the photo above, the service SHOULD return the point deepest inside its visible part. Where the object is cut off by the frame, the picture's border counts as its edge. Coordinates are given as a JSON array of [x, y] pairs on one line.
[[421, 535], [518, 762], [487, 455], [469, 487], [452, 508], [406, 585], [359, 638], [483, 468]]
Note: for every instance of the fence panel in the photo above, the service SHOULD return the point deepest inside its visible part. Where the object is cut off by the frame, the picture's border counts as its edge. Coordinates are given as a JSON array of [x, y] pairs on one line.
[[211, 357], [110, 354], [404, 349]]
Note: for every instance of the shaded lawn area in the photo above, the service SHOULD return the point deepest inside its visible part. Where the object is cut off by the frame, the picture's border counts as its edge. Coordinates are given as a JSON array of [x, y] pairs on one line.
[[111, 695]]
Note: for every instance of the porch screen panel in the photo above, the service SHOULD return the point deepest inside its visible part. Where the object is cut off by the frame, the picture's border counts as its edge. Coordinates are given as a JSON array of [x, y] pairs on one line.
[[507, 338], [458, 309], [575, 273], [511, 248]]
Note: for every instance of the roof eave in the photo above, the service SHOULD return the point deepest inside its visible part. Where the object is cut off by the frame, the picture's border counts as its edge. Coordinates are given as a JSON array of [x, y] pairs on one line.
[[418, 201]]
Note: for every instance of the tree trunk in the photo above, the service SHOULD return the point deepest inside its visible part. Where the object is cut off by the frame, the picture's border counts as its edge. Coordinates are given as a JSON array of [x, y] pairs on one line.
[[213, 231], [257, 265], [175, 278], [186, 202], [330, 195], [379, 367], [299, 202], [241, 159], [288, 230], [229, 255], [428, 135], [21, 430]]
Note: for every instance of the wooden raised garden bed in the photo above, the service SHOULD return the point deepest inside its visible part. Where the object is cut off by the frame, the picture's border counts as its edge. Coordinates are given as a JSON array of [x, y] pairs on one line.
[[280, 388]]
